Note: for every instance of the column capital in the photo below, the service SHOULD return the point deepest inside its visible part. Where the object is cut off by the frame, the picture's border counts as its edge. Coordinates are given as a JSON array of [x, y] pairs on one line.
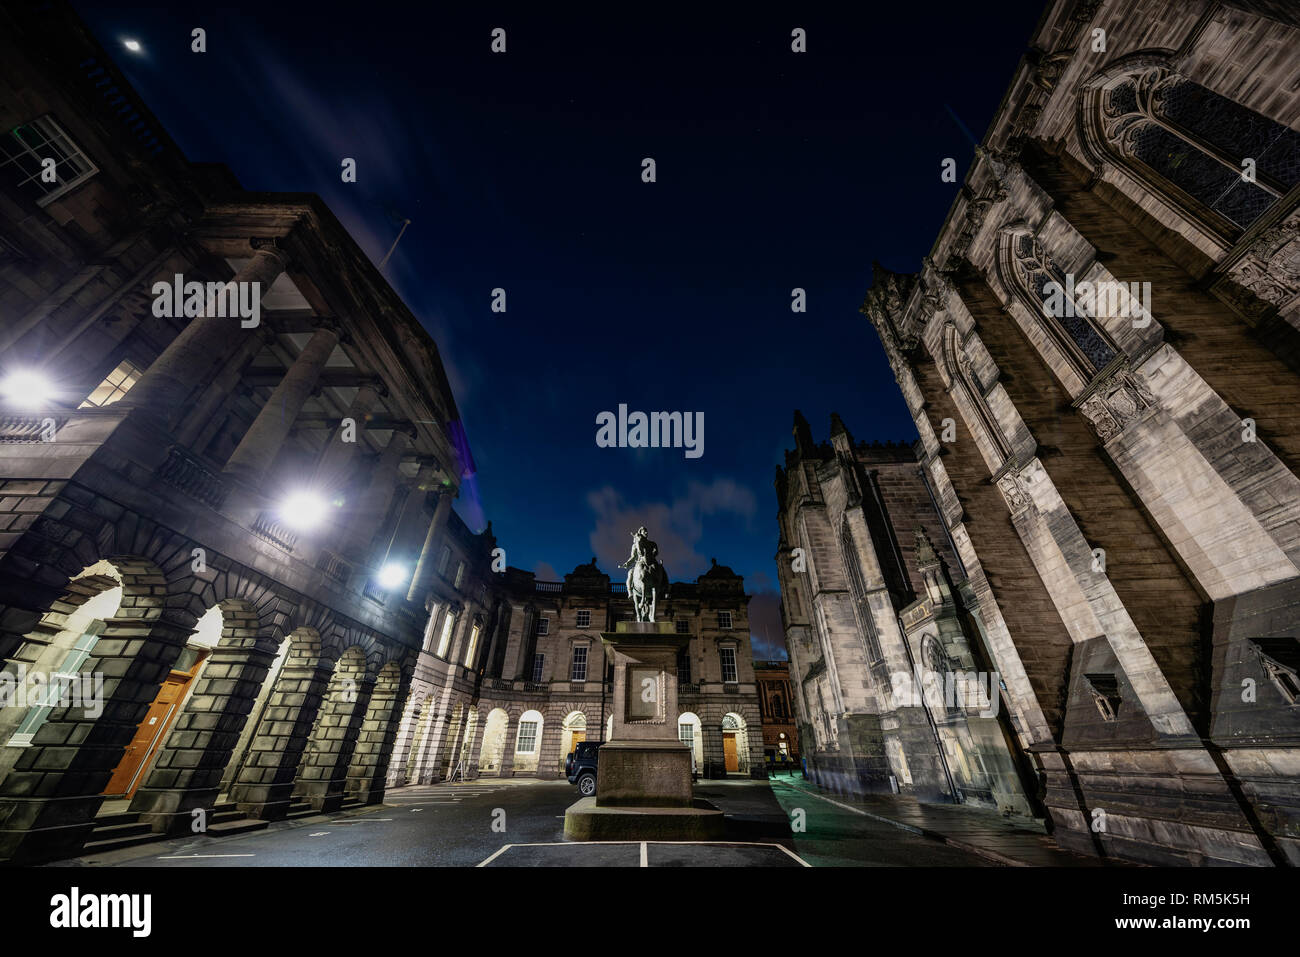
[[271, 246]]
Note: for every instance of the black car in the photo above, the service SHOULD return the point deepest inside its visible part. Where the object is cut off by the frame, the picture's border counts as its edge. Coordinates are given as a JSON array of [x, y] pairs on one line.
[[580, 767]]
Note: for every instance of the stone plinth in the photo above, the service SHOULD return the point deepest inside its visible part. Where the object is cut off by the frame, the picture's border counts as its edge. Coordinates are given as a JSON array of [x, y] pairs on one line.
[[643, 773]]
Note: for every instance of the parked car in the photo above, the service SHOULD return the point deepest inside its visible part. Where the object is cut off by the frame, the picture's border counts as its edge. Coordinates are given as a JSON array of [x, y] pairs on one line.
[[580, 767]]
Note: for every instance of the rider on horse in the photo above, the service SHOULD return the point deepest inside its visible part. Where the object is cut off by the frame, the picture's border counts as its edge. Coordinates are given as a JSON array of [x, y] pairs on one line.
[[653, 579]]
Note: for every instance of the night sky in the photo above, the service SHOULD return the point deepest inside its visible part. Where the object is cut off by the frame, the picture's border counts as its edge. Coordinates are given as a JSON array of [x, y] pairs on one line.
[[522, 170]]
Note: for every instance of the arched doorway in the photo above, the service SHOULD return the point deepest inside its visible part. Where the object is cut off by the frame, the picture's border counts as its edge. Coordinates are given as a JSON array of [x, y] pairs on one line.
[[528, 742], [493, 751], [735, 744], [690, 733], [574, 732], [166, 706]]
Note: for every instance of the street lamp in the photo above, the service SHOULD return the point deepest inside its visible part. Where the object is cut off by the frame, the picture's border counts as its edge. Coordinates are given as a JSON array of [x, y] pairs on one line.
[[303, 510], [392, 575], [132, 45], [27, 389]]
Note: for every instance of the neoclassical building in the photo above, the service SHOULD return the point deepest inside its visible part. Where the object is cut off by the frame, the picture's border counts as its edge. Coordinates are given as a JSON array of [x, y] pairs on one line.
[[888, 655], [1100, 355], [223, 514], [526, 681]]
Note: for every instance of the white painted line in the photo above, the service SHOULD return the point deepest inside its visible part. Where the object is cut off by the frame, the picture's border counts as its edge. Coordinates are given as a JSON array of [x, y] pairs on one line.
[[318, 834], [644, 846], [645, 861], [504, 848], [186, 857]]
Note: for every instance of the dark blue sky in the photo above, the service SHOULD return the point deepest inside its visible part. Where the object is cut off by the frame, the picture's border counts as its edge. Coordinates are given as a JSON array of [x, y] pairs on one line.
[[523, 171]]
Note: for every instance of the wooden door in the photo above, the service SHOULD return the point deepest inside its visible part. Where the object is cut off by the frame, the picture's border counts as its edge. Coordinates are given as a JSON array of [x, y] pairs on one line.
[[149, 736], [729, 752]]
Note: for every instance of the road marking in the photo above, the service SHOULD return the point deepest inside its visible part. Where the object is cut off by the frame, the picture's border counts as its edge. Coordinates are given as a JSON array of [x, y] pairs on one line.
[[186, 857], [318, 834], [644, 847]]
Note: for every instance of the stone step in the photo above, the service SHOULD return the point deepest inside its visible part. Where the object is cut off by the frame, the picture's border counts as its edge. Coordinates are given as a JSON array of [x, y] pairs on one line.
[[240, 825]]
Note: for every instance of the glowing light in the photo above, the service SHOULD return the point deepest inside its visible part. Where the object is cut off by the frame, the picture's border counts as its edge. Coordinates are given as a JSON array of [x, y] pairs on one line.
[[132, 45], [392, 575], [27, 389], [304, 510]]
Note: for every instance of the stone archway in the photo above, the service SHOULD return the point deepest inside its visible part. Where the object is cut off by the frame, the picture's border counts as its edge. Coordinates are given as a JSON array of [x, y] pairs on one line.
[[322, 776], [572, 731], [492, 754], [374, 743]]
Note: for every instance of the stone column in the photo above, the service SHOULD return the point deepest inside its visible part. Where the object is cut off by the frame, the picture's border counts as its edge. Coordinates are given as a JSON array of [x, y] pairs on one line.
[[204, 342], [266, 436], [187, 773], [375, 742], [374, 501], [206, 417], [423, 577], [265, 785], [322, 777], [337, 456]]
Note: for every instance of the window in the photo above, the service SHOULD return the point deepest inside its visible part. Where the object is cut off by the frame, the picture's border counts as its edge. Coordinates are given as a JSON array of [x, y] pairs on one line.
[[429, 628], [445, 641], [473, 646], [724, 619], [729, 674], [444, 559], [584, 618], [117, 384], [62, 687], [686, 733], [1193, 141], [683, 667], [579, 670], [539, 662], [543, 626], [683, 626], [24, 148], [460, 574], [527, 737]]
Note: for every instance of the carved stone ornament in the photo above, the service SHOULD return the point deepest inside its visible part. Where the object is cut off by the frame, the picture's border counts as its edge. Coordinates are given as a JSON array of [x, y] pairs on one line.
[[1013, 489], [1271, 268], [1121, 399]]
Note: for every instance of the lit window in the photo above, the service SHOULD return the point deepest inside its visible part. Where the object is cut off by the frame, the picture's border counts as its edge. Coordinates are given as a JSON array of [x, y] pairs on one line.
[[683, 626], [60, 690], [117, 384], [24, 149], [445, 641], [539, 662], [729, 673], [579, 672], [584, 618], [724, 619], [473, 646], [543, 626], [527, 737], [686, 733]]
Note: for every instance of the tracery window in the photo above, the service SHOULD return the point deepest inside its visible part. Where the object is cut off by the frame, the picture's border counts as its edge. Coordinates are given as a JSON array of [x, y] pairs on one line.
[[1195, 140]]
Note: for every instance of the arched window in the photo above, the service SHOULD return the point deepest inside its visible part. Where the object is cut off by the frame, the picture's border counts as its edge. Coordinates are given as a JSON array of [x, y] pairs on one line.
[[858, 591], [1189, 143], [1083, 342], [959, 372]]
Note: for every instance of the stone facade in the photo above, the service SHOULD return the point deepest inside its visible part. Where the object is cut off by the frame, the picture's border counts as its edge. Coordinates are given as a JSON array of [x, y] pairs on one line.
[[886, 640], [776, 703], [1117, 473], [144, 530], [539, 662]]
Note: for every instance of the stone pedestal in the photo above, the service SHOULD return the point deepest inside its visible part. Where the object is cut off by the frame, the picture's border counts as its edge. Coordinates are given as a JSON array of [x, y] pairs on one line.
[[643, 773]]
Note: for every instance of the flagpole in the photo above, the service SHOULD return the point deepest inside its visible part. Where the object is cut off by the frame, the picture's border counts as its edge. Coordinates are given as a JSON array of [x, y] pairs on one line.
[[405, 223]]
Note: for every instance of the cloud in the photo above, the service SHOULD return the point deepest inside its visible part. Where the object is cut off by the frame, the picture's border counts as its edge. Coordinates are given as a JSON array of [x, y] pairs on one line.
[[676, 526], [546, 573]]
